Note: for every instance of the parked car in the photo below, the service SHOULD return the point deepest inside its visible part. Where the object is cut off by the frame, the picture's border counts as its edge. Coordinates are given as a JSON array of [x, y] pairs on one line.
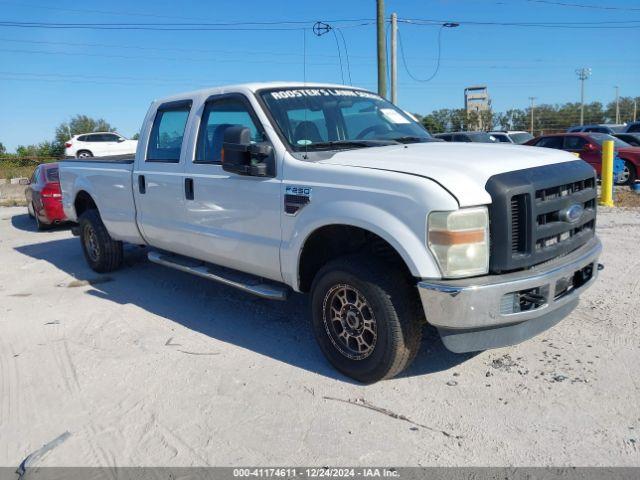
[[44, 198], [610, 128], [334, 191], [511, 136], [476, 137], [632, 139], [633, 127], [99, 144], [589, 147]]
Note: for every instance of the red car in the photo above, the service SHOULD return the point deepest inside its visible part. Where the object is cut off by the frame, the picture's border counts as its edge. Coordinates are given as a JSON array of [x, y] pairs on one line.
[[589, 146], [44, 198]]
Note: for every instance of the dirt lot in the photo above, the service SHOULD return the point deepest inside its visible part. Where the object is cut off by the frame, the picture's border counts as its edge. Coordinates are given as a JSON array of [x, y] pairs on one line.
[[148, 366]]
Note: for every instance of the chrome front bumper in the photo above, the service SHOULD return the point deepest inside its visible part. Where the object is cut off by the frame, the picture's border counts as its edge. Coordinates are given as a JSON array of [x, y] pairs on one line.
[[470, 314]]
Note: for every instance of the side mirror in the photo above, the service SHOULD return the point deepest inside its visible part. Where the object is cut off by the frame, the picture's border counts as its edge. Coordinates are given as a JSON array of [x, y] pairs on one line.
[[120, 140], [240, 156]]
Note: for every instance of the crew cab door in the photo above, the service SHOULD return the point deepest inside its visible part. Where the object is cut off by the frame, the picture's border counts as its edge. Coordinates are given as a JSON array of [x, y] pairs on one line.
[[231, 220], [158, 178]]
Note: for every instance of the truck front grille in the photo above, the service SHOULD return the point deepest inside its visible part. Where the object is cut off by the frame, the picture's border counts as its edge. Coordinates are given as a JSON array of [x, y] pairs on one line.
[[540, 213]]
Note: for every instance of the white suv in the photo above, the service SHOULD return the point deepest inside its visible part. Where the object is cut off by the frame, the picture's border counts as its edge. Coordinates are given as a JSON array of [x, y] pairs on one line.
[[511, 136], [99, 144]]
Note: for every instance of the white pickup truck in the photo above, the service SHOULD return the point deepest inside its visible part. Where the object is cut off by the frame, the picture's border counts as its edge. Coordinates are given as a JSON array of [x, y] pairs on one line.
[[332, 190]]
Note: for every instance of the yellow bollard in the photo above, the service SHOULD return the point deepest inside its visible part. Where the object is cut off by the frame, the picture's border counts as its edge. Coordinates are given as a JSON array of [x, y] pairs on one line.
[[606, 174]]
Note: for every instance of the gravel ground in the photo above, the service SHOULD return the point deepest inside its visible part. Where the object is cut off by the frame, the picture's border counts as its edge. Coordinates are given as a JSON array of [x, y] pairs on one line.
[[148, 366]]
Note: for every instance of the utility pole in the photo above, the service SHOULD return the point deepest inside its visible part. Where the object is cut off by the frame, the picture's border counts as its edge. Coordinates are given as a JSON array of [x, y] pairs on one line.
[[617, 104], [394, 58], [382, 50], [583, 74], [532, 100], [635, 108]]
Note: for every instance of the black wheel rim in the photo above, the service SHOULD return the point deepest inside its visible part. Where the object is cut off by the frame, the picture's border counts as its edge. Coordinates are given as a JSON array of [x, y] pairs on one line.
[[349, 322], [90, 240]]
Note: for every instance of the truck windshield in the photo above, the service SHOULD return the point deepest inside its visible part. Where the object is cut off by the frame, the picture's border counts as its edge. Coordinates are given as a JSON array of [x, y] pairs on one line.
[[330, 118]]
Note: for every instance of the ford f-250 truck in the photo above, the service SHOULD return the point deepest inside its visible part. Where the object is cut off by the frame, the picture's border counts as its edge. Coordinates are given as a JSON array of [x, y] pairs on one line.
[[334, 191]]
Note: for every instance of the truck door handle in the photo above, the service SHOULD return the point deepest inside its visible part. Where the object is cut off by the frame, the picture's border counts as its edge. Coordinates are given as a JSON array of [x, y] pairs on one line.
[[142, 186], [188, 188]]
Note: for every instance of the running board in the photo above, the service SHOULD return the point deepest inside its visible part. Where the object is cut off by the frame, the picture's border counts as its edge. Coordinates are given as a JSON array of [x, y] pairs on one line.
[[242, 281]]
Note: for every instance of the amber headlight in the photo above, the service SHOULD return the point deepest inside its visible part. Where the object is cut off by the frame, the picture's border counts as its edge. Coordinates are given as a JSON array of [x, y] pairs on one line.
[[460, 241]]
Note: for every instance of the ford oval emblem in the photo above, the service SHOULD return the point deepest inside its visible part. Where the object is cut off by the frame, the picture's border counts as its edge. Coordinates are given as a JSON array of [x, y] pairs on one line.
[[573, 213]]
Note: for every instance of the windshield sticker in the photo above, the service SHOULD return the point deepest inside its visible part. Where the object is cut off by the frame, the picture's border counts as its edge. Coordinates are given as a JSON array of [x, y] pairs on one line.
[[304, 142], [321, 92], [391, 115]]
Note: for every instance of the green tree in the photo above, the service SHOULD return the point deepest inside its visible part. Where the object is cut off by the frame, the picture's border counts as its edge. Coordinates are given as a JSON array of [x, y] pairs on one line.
[[42, 149], [136, 137], [81, 124], [432, 124], [626, 105], [513, 119], [3, 149]]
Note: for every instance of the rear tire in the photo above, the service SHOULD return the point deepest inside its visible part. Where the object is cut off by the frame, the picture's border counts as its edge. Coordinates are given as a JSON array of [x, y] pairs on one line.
[[84, 154], [39, 225], [103, 254], [629, 175], [366, 317]]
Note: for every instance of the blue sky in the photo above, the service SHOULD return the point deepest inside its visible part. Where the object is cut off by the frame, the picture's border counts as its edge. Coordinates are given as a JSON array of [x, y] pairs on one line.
[[48, 75]]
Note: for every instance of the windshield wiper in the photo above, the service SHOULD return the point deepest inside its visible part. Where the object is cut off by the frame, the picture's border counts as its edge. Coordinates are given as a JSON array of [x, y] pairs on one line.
[[350, 144], [410, 139]]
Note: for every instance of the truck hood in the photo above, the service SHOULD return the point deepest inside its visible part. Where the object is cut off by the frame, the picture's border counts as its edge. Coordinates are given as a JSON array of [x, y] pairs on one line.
[[460, 168]]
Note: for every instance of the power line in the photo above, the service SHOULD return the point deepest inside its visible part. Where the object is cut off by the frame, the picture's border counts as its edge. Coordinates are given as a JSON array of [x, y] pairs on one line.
[[339, 54], [404, 60], [618, 24], [173, 49], [346, 54], [229, 26], [147, 57], [581, 5]]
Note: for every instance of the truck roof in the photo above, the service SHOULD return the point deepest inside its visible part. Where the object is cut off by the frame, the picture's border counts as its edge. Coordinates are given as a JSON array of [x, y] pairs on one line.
[[250, 88]]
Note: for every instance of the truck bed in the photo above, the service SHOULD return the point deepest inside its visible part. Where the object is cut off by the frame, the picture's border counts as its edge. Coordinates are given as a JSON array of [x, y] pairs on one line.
[[106, 159], [108, 181]]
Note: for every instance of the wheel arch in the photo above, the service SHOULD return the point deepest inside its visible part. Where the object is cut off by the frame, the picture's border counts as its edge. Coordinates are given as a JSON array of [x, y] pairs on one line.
[[330, 241], [83, 202]]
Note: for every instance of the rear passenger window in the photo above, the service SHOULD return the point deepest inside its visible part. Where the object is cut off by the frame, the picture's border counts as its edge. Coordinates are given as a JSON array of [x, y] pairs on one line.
[[219, 115], [550, 142], [165, 141], [574, 143]]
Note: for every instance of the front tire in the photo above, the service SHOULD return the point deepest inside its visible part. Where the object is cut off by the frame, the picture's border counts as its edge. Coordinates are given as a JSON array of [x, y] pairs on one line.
[[366, 317], [103, 254]]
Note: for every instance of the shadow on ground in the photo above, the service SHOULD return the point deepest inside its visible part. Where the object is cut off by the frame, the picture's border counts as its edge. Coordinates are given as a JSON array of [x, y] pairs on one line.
[[28, 224], [279, 330]]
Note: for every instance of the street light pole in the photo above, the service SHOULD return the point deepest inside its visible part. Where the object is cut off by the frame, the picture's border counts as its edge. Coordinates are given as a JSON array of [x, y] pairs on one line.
[[394, 58], [382, 50], [583, 74], [532, 100], [617, 104]]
